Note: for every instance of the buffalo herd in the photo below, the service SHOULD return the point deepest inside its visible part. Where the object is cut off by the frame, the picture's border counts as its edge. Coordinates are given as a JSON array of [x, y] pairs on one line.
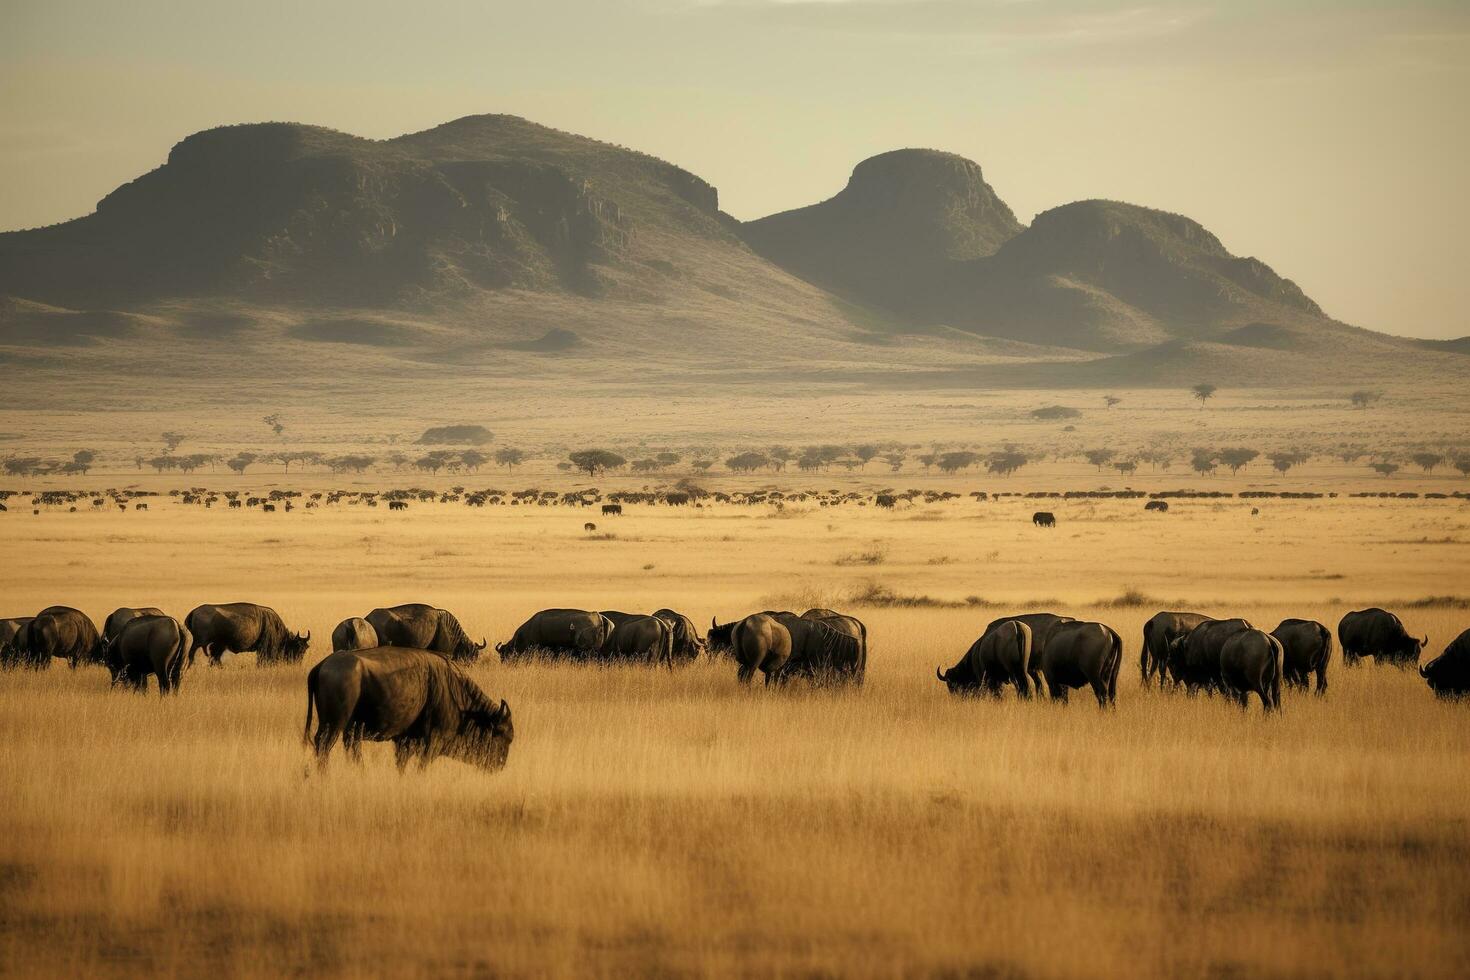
[[394, 674]]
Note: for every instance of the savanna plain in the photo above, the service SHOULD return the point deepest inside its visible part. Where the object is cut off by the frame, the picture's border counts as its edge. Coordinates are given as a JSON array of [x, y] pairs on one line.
[[677, 823]]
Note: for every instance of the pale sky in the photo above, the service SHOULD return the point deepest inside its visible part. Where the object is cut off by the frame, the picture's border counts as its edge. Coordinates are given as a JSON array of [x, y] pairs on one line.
[[1329, 139]]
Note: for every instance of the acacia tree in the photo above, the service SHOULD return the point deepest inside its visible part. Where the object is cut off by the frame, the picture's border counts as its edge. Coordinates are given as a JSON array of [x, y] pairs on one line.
[[865, 454], [956, 461], [1463, 465], [1127, 467], [1237, 458], [1203, 462], [1006, 462], [172, 441], [82, 460], [894, 460], [240, 461], [509, 458], [1204, 392], [473, 459], [780, 456], [595, 461], [667, 459], [747, 462], [1282, 462], [1427, 461], [1098, 457], [1387, 469]]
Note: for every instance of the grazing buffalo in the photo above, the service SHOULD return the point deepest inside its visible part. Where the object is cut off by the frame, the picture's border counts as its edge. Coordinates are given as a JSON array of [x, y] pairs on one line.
[[636, 637], [1306, 647], [688, 644], [840, 661], [1042, 626], [1379, 634], [761, 643], [1044, 518], [1079, 653], [121, 617], [1448, 675], [10, 653], [148, 644], [1250, 663], [1194, 657], [416, 699], [423, 627], [573, 633], [998, 657], [243, 627], [59, 632], [612, 510], [1158, 633], [1162, 506], [717, 640], [885, 500], [354, 633]]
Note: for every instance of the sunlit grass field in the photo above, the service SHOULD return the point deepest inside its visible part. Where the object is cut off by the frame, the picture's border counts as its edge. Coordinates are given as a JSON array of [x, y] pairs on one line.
[[677, 823]]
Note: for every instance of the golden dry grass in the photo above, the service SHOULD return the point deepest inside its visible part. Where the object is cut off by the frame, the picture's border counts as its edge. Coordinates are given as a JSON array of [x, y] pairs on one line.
[[677, 823]]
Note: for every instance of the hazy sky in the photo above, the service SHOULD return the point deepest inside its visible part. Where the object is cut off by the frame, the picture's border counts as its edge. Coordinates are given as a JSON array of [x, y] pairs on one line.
[[1327, 137]]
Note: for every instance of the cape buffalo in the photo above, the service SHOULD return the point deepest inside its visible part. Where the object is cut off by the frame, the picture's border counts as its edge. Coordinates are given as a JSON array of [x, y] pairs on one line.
[[1042, 626], [998, 657], [836, 661], [717, 640], [1079, 653], [148, 644], [1306, 647], [10, 652], [61, 632], [688, 644], [760, 643], [1158, 633], [416, 699], [120, 617], [1250, 663], [559, 632], [1448, 674], [636, 637], [243, 627], [354, 633], [423, 627], [1044, 518], [1194, 657], [1379, 634]]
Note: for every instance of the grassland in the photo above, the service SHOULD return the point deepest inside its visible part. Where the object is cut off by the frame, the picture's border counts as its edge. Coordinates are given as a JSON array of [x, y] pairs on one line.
[[679, 824]]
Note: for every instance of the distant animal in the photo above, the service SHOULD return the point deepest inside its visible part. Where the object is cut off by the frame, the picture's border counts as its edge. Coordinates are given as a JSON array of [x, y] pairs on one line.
[[1250, 663], [236, 504], [119, 618], [1448, 675], [1000, 656], [677, 498], [267, 508], [354, 633], [140, 507], [760, 643], [1158, 633], [1080, 653], [1194, 657], [243, 627], [423, 627], [1379, 634], [885, 500], [416, 699], [1255, 511], [1158, 505], [589, 527], [643, 638], [1042, 626], [147, 644], [60, 632], [575, 633], [609, 510], [1306, 647], [688, 644], [1044, 518], [398, 505]]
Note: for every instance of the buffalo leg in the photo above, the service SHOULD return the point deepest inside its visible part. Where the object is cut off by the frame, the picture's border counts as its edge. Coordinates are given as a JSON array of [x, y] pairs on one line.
[[1023, 687], [1058, 691], [744, 674], [1100, 691], [326, 737], [1321, 678]]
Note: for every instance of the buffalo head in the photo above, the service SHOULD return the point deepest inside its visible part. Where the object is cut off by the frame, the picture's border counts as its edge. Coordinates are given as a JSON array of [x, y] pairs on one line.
[[484, 737], [295, 646]]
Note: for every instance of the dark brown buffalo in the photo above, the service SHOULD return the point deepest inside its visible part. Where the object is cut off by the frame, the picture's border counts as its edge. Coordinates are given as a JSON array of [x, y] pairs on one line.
[[1160, 631], [639, 638], [1042, 626], [1379, 634], [120, 617], [60, 632], [837, 661], [416, 699], [760, 642], [1079, 653], [717, 641], [575, 633], [146, 645], [354, 633], [1194, 657], [1306, 648], [243, 627], [688, 644], [423, 627], [1250, 663], [1448, 675], [1000, 656], [10, 652]]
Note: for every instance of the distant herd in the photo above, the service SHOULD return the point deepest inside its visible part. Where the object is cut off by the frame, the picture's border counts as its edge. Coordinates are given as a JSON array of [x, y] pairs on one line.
[[394, 673]]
